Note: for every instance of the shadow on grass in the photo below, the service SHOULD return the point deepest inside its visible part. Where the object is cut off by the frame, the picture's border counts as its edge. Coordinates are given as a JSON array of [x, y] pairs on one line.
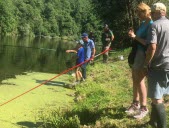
[[87, 116], [52, 83], [30, 124], [114, 113], [56, 83]]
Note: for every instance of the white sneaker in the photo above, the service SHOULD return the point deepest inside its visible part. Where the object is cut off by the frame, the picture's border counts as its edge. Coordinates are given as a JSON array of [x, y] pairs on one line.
[[133, 109], [142, 113]]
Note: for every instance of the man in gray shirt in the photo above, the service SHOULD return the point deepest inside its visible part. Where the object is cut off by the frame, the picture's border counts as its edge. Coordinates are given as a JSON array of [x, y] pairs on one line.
[[157, 61]]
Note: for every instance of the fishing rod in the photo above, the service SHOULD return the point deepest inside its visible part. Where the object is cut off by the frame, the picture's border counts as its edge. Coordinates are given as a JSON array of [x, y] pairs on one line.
[[29, 47]]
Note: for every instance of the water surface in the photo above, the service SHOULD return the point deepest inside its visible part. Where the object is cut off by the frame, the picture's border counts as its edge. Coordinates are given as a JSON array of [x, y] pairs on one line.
[[19, 55]]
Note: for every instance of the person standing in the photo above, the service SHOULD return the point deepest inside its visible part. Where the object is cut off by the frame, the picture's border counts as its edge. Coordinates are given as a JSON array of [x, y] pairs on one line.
[[89, 50], [79, 50], [107, 38], [138, 107], [157, 61]]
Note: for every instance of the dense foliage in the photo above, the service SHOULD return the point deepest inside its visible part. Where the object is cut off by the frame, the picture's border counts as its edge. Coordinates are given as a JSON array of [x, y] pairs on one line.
[[47, 17], [68, 17]]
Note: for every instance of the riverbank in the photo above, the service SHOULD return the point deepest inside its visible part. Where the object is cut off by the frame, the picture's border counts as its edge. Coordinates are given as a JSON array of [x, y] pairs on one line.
[[101, 101], [27, 110]]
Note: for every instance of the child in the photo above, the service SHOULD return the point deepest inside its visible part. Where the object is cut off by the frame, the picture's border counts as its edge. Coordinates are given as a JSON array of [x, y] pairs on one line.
[[79, 59]]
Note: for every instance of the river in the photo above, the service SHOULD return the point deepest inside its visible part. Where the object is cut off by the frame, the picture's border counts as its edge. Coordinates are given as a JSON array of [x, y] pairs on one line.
[[46, 55]]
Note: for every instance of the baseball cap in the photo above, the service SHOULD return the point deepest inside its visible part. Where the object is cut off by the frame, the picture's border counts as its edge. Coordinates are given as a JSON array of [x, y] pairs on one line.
[[84, 35], [158, 6]]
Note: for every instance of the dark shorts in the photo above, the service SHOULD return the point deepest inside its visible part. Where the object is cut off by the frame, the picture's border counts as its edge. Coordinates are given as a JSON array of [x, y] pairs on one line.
[[139, 60]]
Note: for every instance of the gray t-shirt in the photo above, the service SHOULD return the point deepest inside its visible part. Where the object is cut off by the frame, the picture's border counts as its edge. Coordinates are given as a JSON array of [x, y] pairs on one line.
[[159, 34]]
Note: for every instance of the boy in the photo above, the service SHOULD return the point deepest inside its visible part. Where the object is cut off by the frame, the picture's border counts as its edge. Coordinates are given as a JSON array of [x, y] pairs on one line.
[[79, 59]]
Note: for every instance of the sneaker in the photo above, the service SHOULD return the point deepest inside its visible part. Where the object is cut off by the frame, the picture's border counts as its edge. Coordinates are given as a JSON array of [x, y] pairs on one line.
[[133, 109], [142, 113]]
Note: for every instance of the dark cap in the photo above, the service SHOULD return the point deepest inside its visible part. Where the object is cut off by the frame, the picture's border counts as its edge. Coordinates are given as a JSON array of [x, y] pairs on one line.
[[84, 35]]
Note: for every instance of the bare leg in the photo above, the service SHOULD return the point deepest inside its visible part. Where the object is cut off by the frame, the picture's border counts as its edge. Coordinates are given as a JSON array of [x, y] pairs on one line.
[[80, 75], [77, 74], [139, 87], [135, 86]]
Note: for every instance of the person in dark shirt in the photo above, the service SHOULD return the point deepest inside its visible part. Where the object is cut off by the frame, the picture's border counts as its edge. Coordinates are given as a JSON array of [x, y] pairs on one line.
[[107, 38]]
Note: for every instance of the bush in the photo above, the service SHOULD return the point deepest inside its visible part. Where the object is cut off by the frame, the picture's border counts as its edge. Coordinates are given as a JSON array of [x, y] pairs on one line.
[[59, 120]]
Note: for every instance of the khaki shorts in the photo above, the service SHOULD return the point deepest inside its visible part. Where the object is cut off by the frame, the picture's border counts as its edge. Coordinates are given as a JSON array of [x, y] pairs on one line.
[[139, 60], [106, 48]]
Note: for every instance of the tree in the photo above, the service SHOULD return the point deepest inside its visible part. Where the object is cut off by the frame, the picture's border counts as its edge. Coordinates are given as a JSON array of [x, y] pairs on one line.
[[7, 18]]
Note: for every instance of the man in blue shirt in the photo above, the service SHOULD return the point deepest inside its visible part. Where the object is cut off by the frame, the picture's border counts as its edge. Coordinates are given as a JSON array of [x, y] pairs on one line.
[[89, 49]]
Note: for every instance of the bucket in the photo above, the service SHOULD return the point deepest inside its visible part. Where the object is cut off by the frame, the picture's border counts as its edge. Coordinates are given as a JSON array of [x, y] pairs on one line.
[[121, 57]]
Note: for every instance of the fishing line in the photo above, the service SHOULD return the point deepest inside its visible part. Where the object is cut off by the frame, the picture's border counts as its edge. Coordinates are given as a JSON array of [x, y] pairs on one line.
[[64, 72], [29, 47]]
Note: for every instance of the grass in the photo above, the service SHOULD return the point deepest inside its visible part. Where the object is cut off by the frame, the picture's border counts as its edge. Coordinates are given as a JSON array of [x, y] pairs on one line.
[[100, 101]]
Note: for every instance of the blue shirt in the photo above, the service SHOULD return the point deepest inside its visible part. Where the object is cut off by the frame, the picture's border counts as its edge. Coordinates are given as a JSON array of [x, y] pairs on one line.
[[142, 32], [80, 55], [88, 46]]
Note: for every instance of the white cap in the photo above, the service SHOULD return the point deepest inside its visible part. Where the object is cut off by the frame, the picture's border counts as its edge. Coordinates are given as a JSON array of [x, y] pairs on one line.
[[158, 6], [80, 42]]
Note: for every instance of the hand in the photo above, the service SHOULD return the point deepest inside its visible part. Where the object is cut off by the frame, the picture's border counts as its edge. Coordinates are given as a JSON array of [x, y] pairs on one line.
[[131, 33], [107, 39], [92, 57], [67, 51]]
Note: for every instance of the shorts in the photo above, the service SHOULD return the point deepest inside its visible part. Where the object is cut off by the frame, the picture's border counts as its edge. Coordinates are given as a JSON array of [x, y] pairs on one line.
[[139, 60], [106, 47], [158, 83]]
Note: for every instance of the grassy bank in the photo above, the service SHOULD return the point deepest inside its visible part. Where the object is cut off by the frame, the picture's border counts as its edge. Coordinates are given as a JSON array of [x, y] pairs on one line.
[[100, 101]]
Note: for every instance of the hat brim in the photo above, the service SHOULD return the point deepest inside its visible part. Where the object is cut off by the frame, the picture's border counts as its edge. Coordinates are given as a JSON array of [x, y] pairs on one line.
[[83, 36]]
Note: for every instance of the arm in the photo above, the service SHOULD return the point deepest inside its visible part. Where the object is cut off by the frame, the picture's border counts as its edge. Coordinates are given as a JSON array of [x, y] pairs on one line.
[[71, 51], [150, 53], [93, 52], [142, 41], [112, 35], [132, 35], [152, 47], [112, 38], [93, 49]]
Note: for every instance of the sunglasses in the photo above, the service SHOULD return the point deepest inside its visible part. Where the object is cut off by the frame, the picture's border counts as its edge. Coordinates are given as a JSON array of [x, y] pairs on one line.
[[84, 37]]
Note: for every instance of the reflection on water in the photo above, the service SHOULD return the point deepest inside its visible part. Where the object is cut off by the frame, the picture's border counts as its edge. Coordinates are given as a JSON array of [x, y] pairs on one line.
[[19, 55]]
